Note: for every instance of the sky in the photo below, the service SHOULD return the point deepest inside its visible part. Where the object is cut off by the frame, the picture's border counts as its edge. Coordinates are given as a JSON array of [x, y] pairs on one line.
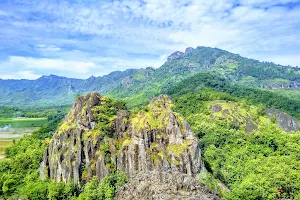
[[81, 38]]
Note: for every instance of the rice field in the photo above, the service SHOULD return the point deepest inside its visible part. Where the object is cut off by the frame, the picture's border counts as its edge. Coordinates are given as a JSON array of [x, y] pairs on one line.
[[22, 122], [16, 128]]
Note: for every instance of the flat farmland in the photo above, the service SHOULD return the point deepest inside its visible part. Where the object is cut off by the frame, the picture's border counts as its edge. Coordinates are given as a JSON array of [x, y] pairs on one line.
[[22, 122], [16, 128]]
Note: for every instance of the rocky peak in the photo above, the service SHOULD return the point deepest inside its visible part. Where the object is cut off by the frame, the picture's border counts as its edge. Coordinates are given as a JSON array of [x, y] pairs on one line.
[[99, 136], [175, 55], [50, 77], [126, 82], [81, 112], [188, 50]]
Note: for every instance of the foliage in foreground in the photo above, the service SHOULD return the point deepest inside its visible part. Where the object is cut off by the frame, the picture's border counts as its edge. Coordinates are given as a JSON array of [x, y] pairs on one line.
[[263, 164], [19, 172]]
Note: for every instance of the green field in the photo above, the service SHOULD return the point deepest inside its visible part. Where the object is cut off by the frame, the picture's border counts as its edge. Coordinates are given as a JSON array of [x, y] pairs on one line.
[[23, 122], [18, 128]]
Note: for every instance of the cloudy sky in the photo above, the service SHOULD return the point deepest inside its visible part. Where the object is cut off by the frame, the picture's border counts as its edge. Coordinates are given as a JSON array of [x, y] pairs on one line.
[[81, 38]]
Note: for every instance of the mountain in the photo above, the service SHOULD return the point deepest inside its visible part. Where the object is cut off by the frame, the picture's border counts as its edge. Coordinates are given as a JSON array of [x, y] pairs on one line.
[[158, 138], [55, 90], [99, 136], [207, 134], [147, 83], [220, 138], [232, 67]]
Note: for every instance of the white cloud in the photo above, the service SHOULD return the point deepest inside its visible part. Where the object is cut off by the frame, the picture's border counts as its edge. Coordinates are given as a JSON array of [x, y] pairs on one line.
[[21, 75], [99, 37], [46, 48], [266, 2], [45, 63]]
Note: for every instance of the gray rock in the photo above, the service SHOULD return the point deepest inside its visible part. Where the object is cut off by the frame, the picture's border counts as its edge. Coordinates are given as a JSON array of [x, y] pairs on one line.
[[283, 120], [166, 185], [175, 55], [157, 139]]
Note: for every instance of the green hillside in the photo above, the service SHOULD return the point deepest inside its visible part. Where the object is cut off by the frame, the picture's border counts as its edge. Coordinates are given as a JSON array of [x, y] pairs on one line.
[[143, 84], [223, 96], [231, 67], [242, 147]]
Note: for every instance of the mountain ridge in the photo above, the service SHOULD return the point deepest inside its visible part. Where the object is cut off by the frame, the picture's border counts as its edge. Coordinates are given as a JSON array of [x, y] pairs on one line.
[[56, 90]]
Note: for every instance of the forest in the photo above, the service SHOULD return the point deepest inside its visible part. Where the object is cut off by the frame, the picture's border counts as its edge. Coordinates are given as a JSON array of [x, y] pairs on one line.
[[259, 164]]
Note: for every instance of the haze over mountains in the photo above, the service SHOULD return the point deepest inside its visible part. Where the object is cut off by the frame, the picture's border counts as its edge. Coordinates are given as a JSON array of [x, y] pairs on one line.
[[55, 90]]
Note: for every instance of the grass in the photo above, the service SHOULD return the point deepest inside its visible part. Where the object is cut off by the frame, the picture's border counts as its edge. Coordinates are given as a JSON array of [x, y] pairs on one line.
[[23, 122], [4, 144], [19, 128]]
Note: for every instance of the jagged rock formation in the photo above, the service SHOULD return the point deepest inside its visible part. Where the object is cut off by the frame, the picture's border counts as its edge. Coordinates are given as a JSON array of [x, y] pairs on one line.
[[98, 136], [283, 120], [175, 55], [167, 185]]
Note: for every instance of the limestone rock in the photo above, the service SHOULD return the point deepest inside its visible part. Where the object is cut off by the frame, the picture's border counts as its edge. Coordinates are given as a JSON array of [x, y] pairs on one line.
[[157, 138], [284, 121], [233, 113], [166, 185], [175, 55], [68, 153]]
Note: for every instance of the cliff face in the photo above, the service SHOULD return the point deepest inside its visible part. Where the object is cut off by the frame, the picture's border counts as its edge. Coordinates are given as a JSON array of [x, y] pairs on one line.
[[99, 136]]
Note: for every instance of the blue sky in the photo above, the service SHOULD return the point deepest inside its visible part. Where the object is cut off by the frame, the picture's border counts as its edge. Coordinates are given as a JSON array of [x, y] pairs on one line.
[[81, 38]]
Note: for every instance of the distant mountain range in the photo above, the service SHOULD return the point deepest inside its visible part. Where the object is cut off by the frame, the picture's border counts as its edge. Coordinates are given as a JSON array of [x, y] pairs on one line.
[[146, 83]]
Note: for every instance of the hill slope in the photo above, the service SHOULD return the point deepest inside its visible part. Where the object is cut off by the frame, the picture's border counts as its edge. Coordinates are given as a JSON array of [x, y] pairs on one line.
[[54, 90], [247, 146], [137, 86]]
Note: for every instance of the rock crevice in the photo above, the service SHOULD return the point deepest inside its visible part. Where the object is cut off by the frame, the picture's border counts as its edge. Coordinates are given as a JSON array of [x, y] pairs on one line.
[[84, 146]]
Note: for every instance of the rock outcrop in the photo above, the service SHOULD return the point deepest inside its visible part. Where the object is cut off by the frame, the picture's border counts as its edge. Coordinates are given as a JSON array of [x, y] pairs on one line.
[[289, 85], [175, 55], [235, 114], [283, 120], [99, 136], [166, 185]]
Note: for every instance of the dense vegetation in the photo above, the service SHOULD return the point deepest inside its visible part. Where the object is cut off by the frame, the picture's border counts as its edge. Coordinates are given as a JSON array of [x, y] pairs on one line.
[[14, 112], [263, 164], [258, 164], [252, 95], [19, 171], [137, 86], [20, 167]]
